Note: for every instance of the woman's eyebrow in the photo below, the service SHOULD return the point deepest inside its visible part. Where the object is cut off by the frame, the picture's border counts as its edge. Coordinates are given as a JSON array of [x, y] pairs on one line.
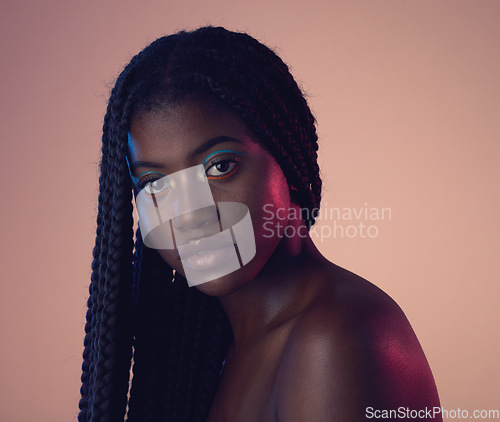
[[197, 151], [212, 142], [137, 164]]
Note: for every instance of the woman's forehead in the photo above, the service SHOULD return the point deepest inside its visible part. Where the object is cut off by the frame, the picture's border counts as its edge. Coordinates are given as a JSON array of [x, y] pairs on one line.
[[184, 133], [188, 119]]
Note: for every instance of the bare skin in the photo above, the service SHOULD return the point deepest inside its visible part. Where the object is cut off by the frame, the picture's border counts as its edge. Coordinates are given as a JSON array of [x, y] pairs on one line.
[[312, 342], [332, 346]]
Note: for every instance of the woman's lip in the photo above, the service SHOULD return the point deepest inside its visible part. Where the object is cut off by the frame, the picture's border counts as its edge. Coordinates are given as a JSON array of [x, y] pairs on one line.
[[203, 246], [209, 259]]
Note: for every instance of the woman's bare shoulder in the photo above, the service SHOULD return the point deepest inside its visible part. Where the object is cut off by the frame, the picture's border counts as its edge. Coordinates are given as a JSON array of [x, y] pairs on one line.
[[352, 349]]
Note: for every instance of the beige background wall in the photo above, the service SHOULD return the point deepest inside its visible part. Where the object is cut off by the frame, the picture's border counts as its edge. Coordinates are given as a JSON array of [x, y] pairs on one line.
[[407, 96]]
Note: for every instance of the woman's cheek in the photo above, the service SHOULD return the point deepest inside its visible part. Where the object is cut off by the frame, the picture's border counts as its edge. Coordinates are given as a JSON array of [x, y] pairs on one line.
[[171, 257]]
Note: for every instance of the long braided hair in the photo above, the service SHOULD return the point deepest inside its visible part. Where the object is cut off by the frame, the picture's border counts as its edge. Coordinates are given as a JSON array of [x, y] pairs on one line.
[[176, 336]]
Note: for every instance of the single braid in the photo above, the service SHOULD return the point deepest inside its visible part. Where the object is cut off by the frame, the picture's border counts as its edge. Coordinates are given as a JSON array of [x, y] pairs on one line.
[[107, 342]]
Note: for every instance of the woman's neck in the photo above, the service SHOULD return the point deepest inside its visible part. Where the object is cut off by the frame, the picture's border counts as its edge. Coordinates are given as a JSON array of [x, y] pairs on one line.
[[283, 289]]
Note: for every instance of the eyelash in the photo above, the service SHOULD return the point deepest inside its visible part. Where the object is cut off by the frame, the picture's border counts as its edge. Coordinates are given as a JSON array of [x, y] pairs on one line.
[[141, 184], [217, 161]]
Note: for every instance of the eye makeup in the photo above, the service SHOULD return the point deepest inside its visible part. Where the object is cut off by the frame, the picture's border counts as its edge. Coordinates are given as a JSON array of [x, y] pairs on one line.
[[226, 158], [219, 162], [142, 182], [230, 151]]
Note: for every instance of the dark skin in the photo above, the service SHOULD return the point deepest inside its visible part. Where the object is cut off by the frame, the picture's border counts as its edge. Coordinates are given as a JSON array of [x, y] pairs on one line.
[[312, 341]]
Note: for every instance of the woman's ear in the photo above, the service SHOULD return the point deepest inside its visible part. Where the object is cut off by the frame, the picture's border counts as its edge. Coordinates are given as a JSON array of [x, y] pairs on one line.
[[295, 215], [294, 196], [297, 227]]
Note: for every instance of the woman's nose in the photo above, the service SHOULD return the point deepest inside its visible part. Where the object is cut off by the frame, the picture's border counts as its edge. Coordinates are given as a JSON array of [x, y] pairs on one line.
[[196, 224]]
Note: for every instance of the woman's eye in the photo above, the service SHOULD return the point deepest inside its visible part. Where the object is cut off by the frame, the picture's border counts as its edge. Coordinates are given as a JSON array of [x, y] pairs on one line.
[[156, 187], [221, 169]]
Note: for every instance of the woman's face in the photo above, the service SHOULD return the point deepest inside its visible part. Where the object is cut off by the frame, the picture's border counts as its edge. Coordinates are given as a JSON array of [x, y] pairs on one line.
[[238, 169]]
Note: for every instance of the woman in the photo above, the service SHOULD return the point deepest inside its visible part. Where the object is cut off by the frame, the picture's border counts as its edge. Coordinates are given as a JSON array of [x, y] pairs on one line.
[[284, 335]]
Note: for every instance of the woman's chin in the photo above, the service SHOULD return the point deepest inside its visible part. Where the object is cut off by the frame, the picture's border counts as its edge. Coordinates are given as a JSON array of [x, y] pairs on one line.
[[212, 278], [224, 285], [229, 283]]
